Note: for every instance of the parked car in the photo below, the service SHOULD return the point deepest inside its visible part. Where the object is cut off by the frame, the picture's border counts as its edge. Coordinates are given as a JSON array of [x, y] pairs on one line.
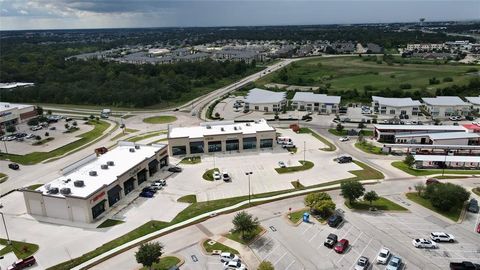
[[383, 255], [162, 182], [30, 136], [175, 169], [362, 263], [344, 139], [146, 194], [156, 186], [341, 246], [478, 228], [331, 240], [344, 159], [52, 128], [430, 181], [22, 263], [465, 265], [442, 237], [226, 177], [217, 176], [334, 220], [35, 128], [473, 206], [290, 145], [149, 189], [227, 256], [281, 164], [14, 166], [237, 265], [423, 243], [394, 264]]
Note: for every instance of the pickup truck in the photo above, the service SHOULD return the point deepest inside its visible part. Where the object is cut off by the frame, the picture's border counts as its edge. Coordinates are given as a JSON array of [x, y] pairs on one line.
[[465, 265]]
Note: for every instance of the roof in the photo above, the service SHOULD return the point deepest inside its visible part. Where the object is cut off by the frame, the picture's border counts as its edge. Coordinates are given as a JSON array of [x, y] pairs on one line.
[[471, 127], [220, 127], [445, 101], [453, 135], [474, 100], [420, 127], [260, 96], [431, 146], [123, 159], [5, 106], [312, 97], [474, 159], [396, 102]]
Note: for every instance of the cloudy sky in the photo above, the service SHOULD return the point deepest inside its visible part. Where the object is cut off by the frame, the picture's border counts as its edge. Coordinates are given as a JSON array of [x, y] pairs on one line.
[[66, 14]]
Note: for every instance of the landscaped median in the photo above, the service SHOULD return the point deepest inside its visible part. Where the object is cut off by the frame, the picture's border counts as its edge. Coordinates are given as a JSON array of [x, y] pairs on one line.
[[305, 165], [208, 175], [209, 246], [162, 119], [424, 172], [369, 148], [191, 160], [330, 146], [380, 204], [21, 249], [453, 213], [3, 177], [166, 263]]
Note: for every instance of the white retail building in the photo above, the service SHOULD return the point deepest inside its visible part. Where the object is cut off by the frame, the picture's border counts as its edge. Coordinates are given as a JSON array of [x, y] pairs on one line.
[[265, 101], [321, 103], [395, 106], [446, 106]]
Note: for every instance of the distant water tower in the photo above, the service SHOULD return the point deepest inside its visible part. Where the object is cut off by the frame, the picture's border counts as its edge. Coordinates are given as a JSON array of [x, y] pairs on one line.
[[421, 21]]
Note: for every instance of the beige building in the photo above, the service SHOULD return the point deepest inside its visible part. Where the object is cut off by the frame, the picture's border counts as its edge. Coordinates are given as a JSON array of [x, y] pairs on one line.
[[12, 114], [90, 187], [265, 101], [223, 136]]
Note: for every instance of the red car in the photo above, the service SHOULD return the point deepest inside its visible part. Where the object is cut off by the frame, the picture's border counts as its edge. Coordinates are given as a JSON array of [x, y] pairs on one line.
[[478, 228], [23, 263], [341, 246]]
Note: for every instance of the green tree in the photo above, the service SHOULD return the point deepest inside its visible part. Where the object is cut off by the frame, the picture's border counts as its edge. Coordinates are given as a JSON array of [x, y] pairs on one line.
[[371, 196], [445, 196], [67, 126], [409, 160], [311, 199], [351, 190], [244, 223], [32, 122], [91, 117], [419, 188], [339, 127], [11, 128], [265, 265], [39, 110], [361, 125], [324, 208], [149, 253]]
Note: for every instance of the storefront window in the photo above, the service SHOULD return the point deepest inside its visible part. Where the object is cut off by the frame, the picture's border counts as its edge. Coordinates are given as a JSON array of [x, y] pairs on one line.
[[232, 145], [266, 143], [197, 147], [250, 143], [179, 150], [98, 209], [215, 146]]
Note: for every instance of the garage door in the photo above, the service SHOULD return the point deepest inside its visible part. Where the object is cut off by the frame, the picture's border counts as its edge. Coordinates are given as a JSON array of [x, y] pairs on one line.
[[35, 207]]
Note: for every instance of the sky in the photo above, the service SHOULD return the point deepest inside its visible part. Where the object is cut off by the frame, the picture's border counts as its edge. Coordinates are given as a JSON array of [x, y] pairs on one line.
[[77, 14]]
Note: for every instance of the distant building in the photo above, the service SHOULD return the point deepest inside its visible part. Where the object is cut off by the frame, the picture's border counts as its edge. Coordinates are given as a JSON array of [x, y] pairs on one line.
[[307, 101], [387, 133], [395, 106], [264, 100], [442, 161], [475, 101], [374, 48], [12, 114], [442, 138], [445, 106]]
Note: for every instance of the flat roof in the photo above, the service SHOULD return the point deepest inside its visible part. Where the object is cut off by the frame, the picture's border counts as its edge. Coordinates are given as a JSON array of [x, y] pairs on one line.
[[219, 128], [442, 158], [431, 146], [471, 126], [312, 97], [441, 135], [14, 84], [445, 101], [474, 100], [396, 102], [420, 127], [261, 96], [5, 106], [123, 159]]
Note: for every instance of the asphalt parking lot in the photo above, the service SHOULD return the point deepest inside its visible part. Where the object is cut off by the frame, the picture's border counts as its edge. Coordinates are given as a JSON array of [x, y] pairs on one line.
[[196, 260]]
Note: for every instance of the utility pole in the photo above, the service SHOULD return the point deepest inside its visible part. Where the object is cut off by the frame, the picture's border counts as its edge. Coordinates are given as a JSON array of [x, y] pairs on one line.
[[5, 225], [304, 150], [249, 193]]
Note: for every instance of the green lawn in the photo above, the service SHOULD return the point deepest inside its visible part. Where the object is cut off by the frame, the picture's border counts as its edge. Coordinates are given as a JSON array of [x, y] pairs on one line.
[[366, 173], [145, 136], [3, 177], [343, 133], [191, 160], [163, 119], [381, 204], [123, 133], [297, 185], [476, 191], [192, 198], [369, 148], [110, 223], [36, 157], [247, 238], [453, 214], [330, 146], [423, 172], [21, 249], [306, 165], [33, 187], [296, 216], [43, 141], [218, 246], [208, 175], [165, 263]]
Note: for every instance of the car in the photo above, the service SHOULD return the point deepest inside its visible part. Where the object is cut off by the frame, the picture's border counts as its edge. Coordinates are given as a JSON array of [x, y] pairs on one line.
[[331, 240], [472, 206], [156, 186], [30, 136], [341, 246], [442, 237], [217, 176], [146, 194], [344, 139], [162, 182], [478, 228], [281, 164], [35, 128], [149, 189], [238, 265], [334, 220], [344, 159], [227, 256], [226, 177], [383, 255], [52, 128], [22, 263], [465, 265], [394, 264], [430, 181], [423, 243], [362, 263], [175, 169], [13, 166], [288, 145], [68, 119]]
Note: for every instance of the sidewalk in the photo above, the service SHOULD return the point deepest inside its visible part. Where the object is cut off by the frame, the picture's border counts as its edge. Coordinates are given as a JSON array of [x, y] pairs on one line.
[[246, 254]]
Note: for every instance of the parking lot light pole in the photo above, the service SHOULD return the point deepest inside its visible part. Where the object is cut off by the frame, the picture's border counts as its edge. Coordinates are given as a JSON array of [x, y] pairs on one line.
[[249, 196], [304, 150], [5, 225]]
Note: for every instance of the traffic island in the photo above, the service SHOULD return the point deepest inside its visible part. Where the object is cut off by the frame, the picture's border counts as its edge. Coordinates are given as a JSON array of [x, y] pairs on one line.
[[306, 165], [208, 175], [166, 263], [212, 247], [295, 218], [246, 239], [382, 204]]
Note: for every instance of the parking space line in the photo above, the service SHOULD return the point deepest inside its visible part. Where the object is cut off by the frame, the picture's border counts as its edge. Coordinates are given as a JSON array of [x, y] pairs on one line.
[[288, 266], [258, 250], [281, 257], [360, 255], [270, 253], [307, 229], [315, 235]]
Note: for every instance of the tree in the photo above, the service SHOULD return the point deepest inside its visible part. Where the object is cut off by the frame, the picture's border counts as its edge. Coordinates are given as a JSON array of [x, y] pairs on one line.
[[409, 160], [312, 198], [49, 112], [91, 117], [419, 188], [324, 208], [47, 134], [361, 125], [445, 196], [339, 127], [352, 190], [371, 196], [265, 265], [244, 223], [32, 122], [149, 253], [39, 110], [74, 123], [11, 128], [67, 126]]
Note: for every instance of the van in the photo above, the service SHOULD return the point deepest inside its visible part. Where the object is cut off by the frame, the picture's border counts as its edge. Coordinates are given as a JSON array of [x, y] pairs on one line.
[[284, 140]]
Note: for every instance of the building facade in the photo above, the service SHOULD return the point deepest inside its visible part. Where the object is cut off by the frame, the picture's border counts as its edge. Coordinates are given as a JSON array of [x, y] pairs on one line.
[[92, 186], [223, 136], [446, 106], [387, 133], [475, 103], [395, 106], [265, 101], [321, 103], [12, 114]]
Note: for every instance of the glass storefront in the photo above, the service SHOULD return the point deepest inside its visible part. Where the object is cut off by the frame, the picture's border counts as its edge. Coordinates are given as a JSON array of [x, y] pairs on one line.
[[266, 143], [232, 145], [179, 150], [250, 143], [98, 209], [215, 146], [152, 167], [197, 148], [142, 176], [128, 185]]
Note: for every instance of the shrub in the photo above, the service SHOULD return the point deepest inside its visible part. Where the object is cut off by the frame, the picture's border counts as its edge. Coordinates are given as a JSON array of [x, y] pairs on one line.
[[405, 86], [448, 79]]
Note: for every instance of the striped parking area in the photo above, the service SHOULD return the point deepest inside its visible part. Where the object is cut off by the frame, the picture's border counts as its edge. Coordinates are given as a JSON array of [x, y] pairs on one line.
[[269, 249]]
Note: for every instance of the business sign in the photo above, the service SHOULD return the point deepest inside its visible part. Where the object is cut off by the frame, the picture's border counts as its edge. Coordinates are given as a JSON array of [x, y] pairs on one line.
[[97, 197]]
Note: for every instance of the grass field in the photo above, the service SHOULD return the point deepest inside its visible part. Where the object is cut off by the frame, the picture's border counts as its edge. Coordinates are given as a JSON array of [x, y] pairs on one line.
[[192, 198], [306, 165], [191, 160], [423, 172], [218, 246], [453, 214], [330, 146], [296, 216], [21, 249], [381, 204], [369, 148], [165, 263], [163, 119], [247, 238], [347, 73]]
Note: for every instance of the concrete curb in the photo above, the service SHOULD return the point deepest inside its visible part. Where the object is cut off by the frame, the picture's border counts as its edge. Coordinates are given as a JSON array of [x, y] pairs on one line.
[[296, 224]]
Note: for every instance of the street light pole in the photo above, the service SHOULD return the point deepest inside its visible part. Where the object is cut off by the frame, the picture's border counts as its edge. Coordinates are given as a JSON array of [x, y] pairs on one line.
[[444, 164], [5, 225], [249, 193], [304, 150]]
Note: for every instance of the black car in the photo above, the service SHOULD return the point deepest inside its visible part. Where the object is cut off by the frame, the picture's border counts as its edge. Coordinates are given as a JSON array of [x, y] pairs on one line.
[[175, 169], [344, 159], [149, 189], [473, 206], [331, 240], [13, 166], [334, 220]]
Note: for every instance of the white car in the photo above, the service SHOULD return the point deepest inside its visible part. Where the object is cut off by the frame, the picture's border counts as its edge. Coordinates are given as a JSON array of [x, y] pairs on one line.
[[227, 257], [442, 237], [237, 265], [161, 182], [281, 164], [156, 186], [383, 255], [217, 176], [226, 177], [423, 243], [344, 139]]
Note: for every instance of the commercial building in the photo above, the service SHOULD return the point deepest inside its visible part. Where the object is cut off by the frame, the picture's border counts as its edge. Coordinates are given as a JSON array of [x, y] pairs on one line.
[[264, 100], [447, 161], [90, 187], [387, 133], [445, 106], [12, 114], [307, 101], [443, 138], [223, 136], [396, 106], [475, 103]]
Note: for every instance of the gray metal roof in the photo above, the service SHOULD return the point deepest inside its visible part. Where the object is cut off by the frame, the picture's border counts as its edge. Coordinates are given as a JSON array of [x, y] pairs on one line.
[[432, 146], [445, 101], [420, 127], [474, 100], [453, 135], [473, 159], [396, 102], [312, 97], [261, 96]]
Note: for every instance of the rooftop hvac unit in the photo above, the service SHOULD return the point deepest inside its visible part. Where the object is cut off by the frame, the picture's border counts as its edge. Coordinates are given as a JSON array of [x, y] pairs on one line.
[[209, 127], [104, 166], [222, 129], [47, 187], [65, 191], [234, 128], [132, 150], [92, 173], [247, 124], [53, 190], [110, 163], [79, 183], [137, 146]]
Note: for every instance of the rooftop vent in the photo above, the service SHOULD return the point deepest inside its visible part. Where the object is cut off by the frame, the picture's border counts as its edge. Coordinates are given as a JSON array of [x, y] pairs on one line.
[[234, 128], [222, 129], [137, 146], [104, 166], [53, 190], [209, 127], [65, 191], [132, 150], [92, 173], [110, 163], [247, 124], [79, 183]]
